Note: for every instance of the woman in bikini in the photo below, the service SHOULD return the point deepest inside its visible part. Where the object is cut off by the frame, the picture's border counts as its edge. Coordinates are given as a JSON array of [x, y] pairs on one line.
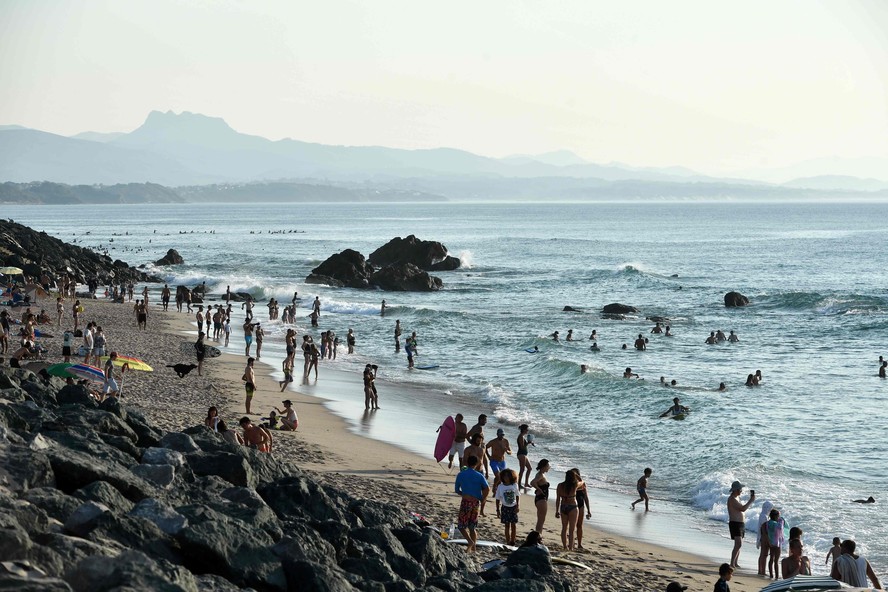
[[583, 504], [523, 462], [541, 493], [567, 509]]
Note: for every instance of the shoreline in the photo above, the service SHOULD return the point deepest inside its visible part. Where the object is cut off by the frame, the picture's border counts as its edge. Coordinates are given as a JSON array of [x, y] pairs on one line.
[[327, 443]]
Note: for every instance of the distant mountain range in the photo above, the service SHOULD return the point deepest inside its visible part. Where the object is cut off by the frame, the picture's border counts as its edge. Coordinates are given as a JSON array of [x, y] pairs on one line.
[[188, 149]]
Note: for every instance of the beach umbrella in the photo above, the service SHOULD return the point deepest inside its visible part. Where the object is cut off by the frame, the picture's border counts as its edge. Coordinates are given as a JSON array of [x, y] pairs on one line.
[[133, 363], [11, 270], [805, 583], [60, 370], [88, 372]]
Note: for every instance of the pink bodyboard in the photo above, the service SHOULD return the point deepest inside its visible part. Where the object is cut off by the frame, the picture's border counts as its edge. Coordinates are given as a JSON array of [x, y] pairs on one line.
[[445, 438]]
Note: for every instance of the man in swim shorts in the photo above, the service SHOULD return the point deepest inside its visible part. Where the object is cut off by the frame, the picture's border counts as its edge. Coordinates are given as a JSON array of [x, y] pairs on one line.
[[458, 448], [248, 336], [737, 520], [473, 488], [478, 428], [498, 448], [249, 379]]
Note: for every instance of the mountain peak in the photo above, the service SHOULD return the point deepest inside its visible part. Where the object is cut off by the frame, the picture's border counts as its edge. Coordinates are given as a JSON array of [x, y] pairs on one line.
[[187, 127]]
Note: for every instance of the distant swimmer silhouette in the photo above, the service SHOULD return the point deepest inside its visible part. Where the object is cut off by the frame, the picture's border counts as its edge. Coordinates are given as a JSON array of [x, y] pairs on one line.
[[869, 500]]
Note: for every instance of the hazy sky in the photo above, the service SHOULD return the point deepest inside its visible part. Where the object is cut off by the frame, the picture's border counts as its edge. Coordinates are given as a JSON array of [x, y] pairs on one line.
[[715, 86]]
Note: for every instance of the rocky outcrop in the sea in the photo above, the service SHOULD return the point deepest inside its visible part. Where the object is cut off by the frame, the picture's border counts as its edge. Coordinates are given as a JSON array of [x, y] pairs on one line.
[[172, 257], [406, 277], [399, 265], [37, 253], [94, 498], [346, 269], [733, 299], [426, 255], [616, 308]]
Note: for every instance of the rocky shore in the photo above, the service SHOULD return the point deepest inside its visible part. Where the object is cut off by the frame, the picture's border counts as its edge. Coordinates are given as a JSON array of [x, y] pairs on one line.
[[38, 254]]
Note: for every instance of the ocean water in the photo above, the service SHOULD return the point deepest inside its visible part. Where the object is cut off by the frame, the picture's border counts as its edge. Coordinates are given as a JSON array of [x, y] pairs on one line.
[[810, 439]]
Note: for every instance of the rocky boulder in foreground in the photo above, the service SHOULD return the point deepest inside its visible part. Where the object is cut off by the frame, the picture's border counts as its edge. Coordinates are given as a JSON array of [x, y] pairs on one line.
[[94, 498], [346, 269]]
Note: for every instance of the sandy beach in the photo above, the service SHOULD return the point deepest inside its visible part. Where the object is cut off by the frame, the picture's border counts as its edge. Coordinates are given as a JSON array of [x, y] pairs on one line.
[[366, 467]]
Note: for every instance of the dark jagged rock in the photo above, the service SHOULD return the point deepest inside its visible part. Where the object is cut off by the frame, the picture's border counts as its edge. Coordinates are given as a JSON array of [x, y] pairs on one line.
[[536, 558], [426, 255], [172, 257], [406, 277], [735, 299], [75, 394], [346, 269], [570, 309], [37, 253], [616, 308], [74, 464]]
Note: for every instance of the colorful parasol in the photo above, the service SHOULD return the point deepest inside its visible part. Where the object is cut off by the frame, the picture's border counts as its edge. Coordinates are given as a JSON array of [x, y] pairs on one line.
[[133, 363], [86, 371]]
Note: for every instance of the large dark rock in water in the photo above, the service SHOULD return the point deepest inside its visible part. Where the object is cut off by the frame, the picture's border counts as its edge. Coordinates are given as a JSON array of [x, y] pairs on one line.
[[619, 309], [427, 255], [171, 258], [348, 269], [406, 278], [733, 299]]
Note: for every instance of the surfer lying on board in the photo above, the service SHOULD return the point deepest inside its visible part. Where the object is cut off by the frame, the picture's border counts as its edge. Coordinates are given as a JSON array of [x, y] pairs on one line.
[[676, 409]]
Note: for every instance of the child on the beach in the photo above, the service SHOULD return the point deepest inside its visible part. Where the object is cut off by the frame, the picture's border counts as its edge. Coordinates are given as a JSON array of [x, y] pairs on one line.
[[775, 541], [641, 486], [507, 495], [835, 552], [725, 573]]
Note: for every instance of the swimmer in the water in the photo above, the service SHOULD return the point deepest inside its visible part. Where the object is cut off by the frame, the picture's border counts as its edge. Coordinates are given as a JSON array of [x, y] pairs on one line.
[[722, 386], [720, 335], [676, 409], [583, 368], [750, 380], [570, 335], [732, 337], [758, 377], [640, 343], [594, 337], [624, 346], [663, 380], [628, 373], [657, 329], [554, 336], [869, 500], [882, 369], [594, 346], [668, 331], [711, 339], [673, 382]]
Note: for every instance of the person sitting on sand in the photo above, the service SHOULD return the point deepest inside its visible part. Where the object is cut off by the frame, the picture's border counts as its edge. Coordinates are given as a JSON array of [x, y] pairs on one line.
[[676, 409], [473, 487], [230, 435], [534, 540], [289, 421], [212, 420], [254, 436], [795, 563]]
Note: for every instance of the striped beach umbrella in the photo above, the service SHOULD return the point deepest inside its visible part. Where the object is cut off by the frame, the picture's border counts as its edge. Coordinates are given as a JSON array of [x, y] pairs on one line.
[[86, 371]]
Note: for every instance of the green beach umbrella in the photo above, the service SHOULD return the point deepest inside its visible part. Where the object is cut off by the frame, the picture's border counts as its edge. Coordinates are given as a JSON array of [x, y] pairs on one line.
[[60, 370]]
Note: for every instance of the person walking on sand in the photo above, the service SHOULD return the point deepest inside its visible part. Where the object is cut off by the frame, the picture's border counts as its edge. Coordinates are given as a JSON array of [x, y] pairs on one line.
[[737, 520], [165, 297], [541, 493], [524, 467], [641, 486], [473, 487], [458, 448], [248, 337], [249, 379], [201, 351], [260, 335], [315, 354]]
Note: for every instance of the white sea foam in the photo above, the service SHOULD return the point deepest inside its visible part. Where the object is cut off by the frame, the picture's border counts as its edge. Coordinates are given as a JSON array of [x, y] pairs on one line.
[[466, 259]]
